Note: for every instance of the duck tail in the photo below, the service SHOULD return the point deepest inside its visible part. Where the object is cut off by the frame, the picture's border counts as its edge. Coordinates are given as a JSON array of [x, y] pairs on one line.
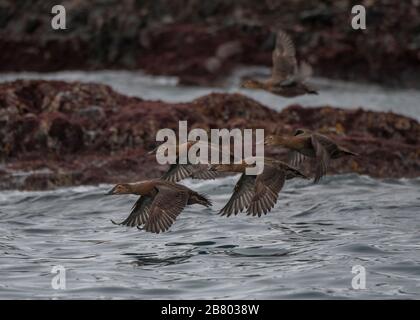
[[200, 199]]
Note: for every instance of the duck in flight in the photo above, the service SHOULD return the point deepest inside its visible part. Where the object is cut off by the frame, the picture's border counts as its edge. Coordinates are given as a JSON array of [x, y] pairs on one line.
[[256, 193], [287, 78], [306, 143], [159, 204]]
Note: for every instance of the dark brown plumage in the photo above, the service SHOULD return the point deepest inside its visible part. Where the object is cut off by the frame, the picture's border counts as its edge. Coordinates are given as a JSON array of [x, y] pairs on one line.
[[159, 204], [287, 78], [258, 194], [306, 143]]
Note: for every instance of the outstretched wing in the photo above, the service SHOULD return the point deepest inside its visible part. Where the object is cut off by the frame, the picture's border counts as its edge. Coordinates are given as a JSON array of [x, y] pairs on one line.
[[241, 196], [267, 187], [201, 171], [139, 213], [284, 59], [166, 206], [322, 157], [295, 158], [178, 172]]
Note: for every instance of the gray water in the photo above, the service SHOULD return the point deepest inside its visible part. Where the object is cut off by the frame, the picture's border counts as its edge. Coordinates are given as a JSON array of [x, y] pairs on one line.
[[305, 248]]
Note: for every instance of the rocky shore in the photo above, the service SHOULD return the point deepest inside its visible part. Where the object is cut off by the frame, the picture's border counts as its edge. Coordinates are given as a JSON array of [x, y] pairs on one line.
[[55, 133], [202, 41]]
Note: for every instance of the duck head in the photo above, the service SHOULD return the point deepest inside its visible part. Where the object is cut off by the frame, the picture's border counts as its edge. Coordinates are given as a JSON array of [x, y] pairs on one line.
[[273, 140], [122, 188]]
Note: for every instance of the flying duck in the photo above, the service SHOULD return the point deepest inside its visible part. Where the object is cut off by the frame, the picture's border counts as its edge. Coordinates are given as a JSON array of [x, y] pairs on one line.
[[310, 144], [159, 204], [287, 78]]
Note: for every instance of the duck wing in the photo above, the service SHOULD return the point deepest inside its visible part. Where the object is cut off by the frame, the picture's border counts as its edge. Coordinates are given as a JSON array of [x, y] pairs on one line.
[[178, 172], [139, 213], [321, 154], [295, 158], [241, 196], [166, 206], [267, 188], [284, 60], [201, 171], [329, 144]]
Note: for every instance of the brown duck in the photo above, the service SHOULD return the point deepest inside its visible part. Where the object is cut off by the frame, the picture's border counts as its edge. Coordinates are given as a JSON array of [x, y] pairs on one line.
[[258, 194], [159, 204], [178, 172], [310, 144], [287, 79]]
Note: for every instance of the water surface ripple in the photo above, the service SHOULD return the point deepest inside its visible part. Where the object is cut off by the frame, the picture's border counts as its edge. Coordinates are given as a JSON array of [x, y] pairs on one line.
[[305, 248]]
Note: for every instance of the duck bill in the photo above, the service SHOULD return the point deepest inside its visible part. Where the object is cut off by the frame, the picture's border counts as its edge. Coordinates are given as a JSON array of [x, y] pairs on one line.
[[110, 192]]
